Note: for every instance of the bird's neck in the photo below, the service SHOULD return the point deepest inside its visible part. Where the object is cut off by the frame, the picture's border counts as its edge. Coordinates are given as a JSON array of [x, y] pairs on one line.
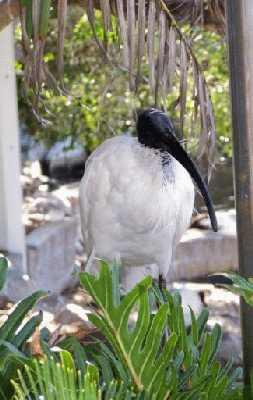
[[165, 158]]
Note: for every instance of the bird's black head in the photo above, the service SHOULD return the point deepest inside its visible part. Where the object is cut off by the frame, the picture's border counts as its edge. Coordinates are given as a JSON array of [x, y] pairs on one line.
[[155, 130], [152, 126]]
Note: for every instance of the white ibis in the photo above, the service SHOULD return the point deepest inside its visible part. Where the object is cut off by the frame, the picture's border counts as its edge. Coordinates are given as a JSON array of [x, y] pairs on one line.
[[137, 195]]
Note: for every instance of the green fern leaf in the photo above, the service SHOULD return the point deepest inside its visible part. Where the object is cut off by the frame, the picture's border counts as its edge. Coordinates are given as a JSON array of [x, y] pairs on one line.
[[140, 349]]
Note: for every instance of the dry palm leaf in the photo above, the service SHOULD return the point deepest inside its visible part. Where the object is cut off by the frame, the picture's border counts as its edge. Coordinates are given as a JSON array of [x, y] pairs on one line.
[[92, 20], [211, 13], [62, 14], [149, 33], [35, 345], [203, 106], [161, 52], [131, 35], [123, 31], [35, 16], [183, 83], [141, 36], [151, 42], [170, 60], [106, 13]]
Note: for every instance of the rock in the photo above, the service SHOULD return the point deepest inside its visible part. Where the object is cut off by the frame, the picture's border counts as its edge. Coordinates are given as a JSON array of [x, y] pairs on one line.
[[33, 182], [37, 152], [66, 149], [49, 206], [18, 285], [66, 313], [31, 149], [65, 160], [203, 252], [50, 260], [224, 309], [68, 194], [51, 254]]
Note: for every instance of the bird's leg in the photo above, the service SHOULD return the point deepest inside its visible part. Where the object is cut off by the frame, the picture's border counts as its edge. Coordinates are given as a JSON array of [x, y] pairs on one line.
[[162, 282], [89, 263], [162, 286]]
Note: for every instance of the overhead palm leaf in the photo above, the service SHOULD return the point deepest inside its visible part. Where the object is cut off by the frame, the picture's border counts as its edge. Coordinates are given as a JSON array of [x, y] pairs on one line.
[[209, 13], [149, 35]]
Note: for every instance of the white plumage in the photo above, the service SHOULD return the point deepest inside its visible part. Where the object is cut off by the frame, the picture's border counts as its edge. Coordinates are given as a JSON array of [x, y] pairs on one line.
[[133, 207], [137, 196]]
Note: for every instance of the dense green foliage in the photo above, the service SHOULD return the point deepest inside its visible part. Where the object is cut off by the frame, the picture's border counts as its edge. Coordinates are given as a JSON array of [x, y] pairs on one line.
[[158, 355], [98, 103], [49, 379], [14, 333], [155, 357]]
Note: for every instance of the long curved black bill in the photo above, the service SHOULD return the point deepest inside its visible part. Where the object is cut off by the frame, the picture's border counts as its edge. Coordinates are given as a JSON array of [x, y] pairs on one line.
[[178, 152]]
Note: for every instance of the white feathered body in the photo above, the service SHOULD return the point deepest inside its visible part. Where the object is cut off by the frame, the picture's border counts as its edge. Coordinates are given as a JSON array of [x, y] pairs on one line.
[[133, 207]]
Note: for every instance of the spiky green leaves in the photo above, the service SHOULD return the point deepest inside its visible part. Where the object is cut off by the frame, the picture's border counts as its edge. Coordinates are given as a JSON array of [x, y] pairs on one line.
[[154, 358], [51, 380], [138, 348], [13, 335], [159, 356]]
